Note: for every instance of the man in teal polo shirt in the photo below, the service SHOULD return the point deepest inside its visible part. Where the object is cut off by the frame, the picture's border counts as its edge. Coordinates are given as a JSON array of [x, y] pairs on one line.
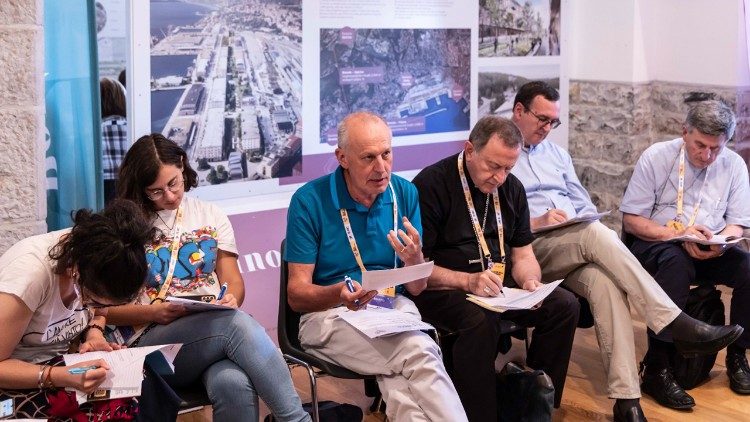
[[361, 217]]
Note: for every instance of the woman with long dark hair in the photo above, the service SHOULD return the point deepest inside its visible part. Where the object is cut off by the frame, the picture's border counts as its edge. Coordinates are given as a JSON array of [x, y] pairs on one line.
[[196, 254]]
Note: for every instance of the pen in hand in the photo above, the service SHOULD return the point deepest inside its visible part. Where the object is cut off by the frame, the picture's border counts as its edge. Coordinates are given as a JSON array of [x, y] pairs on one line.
[[222, 292], [350, 287], [82, 369]]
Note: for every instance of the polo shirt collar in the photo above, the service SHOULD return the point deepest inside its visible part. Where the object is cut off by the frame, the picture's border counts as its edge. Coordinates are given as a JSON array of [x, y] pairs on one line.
[[342, 199]]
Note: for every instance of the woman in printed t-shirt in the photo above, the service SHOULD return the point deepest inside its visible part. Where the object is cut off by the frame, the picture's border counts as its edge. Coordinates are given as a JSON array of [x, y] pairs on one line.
[[54, 290], [225, 349]]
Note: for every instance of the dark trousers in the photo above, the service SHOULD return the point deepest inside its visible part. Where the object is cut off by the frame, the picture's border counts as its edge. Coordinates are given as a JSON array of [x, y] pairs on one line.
[[676, 271], [478, 333]]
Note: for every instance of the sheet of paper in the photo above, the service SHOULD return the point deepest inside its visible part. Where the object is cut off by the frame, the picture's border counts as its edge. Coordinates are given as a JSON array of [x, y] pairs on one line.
[[515, 298], [381, 279], [575, 220], [716, 239], [197, 305], [375, 321], [126, 367]]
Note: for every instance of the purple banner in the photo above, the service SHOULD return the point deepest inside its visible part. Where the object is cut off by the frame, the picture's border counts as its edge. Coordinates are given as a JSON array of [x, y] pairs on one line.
[[259, 236], [360, 75]]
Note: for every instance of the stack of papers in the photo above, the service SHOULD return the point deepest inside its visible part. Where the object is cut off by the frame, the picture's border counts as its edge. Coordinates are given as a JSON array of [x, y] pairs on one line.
[[514, 298], [575, 220], [196, 305], [374, 321], [126, 370], [716, 239]]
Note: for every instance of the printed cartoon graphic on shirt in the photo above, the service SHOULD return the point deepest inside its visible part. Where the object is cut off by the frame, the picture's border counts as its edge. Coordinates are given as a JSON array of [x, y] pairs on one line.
[[196, 262]]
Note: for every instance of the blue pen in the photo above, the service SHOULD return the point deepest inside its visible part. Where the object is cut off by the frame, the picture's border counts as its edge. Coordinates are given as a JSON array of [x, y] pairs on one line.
[[82, 369], [222, 291], [350, 286]]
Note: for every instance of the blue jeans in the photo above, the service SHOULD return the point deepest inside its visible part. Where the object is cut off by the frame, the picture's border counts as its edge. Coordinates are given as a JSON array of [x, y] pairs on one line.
[[235, 359]]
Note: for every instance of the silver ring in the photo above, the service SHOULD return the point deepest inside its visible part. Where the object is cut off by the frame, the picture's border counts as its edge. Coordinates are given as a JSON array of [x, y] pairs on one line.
[[487, 290], [403, 250]]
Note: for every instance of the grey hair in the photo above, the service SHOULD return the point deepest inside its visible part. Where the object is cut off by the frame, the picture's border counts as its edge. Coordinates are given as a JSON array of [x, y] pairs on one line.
[[711, 117], [490, 125], [342, 132]]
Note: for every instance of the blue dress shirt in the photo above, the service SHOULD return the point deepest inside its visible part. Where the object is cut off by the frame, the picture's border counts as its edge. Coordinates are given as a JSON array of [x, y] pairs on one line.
[[652, 191], [547, 173]]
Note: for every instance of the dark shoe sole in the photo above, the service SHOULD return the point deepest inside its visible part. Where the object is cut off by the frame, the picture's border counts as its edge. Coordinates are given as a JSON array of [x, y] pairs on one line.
[[739, 390], [691, 350]]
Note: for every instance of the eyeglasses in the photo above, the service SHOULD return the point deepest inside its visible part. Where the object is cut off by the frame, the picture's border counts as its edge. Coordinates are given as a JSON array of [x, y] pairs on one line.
[[173, 186], [544, 120], [87, 302]]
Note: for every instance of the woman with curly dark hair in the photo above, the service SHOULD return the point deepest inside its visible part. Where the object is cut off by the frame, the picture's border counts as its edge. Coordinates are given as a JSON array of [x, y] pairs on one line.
[[55, 289]]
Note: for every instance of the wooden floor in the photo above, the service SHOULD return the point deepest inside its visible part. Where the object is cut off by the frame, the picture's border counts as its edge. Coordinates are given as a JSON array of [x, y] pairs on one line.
[[584, 398]]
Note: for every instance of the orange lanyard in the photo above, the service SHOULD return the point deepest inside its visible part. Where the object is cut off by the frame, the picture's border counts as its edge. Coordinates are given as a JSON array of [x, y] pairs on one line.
[[478, 232], [681, 189]]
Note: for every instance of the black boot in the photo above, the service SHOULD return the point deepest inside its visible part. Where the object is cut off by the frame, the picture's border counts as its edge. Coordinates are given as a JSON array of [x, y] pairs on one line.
[[693, 337], [628, 411], [660, 384], [738, 370]]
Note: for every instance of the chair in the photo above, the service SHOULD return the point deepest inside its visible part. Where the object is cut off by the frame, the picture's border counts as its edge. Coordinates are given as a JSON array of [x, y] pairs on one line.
[[288, 334], [192, 398]]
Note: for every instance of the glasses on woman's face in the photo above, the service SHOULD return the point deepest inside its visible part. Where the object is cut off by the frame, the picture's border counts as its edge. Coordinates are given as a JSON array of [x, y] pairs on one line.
[[88, 302], [175, 185], [544, 120]]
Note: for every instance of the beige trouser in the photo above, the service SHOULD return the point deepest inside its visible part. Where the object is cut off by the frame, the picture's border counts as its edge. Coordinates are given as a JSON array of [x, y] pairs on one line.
[[597, 266], [409, 366]]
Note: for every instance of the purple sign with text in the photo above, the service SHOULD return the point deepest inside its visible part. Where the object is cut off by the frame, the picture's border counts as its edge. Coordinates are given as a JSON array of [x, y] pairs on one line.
[[361, 75]]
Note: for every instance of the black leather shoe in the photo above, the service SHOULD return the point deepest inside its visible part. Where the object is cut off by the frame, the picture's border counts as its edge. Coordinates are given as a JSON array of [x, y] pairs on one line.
[[662, 386], [738, 372], [631, 414], [693, 337]]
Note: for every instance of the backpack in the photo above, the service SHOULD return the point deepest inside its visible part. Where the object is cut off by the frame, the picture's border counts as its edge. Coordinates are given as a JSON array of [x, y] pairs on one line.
[[330, 411], [704, 303]]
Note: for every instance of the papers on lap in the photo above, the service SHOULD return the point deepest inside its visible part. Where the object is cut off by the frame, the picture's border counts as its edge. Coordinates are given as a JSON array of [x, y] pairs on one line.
[[196, 305], [382, 279], [716, 239], [375, 321], [514, 298], [575, 220], [126, 370]]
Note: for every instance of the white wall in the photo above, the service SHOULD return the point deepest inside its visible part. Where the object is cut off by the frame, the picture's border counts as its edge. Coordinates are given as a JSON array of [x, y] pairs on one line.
[[687, 41]]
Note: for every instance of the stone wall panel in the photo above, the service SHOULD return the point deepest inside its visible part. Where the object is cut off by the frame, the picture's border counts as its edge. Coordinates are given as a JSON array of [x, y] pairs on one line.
[[12, 233], [17, 78], [18, 12]]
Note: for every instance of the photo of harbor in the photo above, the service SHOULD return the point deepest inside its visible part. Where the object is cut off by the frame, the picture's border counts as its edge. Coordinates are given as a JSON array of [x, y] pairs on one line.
[[417, 79], [226, 83]]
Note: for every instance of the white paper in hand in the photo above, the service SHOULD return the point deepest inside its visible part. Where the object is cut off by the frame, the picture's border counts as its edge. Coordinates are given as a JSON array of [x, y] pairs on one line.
[[382, 279], [196, 305]]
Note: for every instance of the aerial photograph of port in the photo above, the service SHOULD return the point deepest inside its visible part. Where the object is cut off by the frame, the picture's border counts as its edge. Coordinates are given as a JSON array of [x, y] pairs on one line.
[[226, 83], [417, 79]]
